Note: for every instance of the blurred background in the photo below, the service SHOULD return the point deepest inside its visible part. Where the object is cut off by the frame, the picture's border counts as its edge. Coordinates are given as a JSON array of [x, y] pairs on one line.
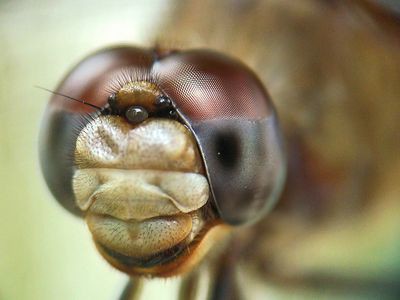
[[333, 70], [46, 253]]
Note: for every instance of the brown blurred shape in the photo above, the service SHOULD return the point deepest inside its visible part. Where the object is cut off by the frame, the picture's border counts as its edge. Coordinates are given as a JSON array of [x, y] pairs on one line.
[[333, 71]]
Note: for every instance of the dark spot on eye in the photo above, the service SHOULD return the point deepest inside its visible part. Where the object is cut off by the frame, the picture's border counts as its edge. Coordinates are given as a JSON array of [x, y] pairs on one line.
[[227, 149]]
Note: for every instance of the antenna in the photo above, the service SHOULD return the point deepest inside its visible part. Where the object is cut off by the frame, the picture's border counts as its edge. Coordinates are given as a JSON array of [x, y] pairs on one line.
[[69, 97]]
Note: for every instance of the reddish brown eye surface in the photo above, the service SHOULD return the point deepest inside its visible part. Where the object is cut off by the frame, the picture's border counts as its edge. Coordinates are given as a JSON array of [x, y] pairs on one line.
[[63, 119], [208, 85], [218, 98], [235, 125]]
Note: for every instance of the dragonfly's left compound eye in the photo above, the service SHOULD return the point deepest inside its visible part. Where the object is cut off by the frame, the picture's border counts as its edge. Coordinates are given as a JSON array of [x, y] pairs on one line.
[[169, 150]]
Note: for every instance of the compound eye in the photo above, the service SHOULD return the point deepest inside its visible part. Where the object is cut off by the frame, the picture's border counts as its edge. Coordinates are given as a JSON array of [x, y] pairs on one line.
[[236, 128], [136, 114], [63, 120]]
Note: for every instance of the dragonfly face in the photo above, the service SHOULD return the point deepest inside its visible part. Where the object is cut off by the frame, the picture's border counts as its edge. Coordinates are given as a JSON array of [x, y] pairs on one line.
[[180, 146]]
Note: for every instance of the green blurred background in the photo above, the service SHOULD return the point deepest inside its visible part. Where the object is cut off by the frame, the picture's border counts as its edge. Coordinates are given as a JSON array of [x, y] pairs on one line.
[[46, 253]]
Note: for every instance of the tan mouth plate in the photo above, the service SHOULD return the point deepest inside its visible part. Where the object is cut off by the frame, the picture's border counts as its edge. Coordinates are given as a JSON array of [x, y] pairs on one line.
[[141, 213], [139, 194], [140, 239]]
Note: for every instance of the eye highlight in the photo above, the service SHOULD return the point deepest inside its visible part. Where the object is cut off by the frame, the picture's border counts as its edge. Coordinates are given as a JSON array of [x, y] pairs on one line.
[[136, 114]]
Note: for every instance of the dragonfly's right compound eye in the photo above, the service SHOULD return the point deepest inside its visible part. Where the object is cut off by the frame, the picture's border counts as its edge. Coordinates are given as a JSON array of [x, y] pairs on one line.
[[234, 122]]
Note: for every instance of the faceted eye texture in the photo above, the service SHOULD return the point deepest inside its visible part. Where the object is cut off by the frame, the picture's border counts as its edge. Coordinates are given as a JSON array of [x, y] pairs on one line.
[[207, 85], [90, 80], [234, 122]]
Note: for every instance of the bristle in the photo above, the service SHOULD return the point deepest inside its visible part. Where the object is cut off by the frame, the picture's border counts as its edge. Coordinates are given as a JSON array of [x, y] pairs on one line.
[[130, 74], [77, 125]]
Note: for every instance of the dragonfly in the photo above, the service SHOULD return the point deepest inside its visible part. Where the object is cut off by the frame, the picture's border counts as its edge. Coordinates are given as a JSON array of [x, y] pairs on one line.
[[113, 128]]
